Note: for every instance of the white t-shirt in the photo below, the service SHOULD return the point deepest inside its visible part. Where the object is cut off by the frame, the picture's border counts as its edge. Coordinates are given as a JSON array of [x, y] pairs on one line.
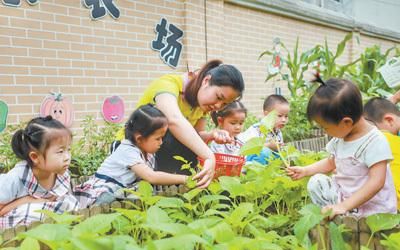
[[370, 148], [228, 148], [254, 131], [118, 164]]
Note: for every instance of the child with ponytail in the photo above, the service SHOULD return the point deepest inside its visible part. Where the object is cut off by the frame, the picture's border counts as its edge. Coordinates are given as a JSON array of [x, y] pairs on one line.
[[41, 180], [361, 183]]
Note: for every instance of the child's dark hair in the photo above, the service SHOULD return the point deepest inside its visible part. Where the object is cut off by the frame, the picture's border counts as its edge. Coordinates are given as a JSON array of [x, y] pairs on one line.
[[334, 100], [144, 120], [271, 100], [221, 75], [229, 109], [37, 136], [376, 108]]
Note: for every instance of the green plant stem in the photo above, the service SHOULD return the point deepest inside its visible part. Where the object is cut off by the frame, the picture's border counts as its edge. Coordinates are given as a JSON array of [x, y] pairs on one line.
[[321, 237], [370, 238]]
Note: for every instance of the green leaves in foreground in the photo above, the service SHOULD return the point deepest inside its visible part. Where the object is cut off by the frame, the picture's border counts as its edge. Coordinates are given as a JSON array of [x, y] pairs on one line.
[[379, 222], [311, 217]]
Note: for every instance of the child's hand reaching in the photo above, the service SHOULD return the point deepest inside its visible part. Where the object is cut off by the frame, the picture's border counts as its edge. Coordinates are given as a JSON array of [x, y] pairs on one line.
[[336, 209], [222, 136], [296, 173]]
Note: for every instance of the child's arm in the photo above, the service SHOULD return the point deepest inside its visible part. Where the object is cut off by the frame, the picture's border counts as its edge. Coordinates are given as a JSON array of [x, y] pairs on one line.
[[273, 145], [323, 166], [217, 135], [376, 181], [158, 177], [5, 208]]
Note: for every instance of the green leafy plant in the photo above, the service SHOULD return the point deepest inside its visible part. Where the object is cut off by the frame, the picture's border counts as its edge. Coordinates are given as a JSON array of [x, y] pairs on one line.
[[298, 126], [379, 222], [297, 63], [93, 147], [327, 65], [7, 157], [365, 74]]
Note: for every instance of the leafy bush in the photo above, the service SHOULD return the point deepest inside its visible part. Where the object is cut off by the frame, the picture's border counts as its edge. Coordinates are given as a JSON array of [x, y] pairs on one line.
[[93, 147], [365, 74], [7, 157], [298, 127]]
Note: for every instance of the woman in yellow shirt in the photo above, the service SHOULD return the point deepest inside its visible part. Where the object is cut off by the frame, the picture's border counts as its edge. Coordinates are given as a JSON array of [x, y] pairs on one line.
[[185, 100]]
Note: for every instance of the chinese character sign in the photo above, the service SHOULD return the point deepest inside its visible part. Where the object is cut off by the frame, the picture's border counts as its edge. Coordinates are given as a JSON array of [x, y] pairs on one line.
[[167, 42], [100, 7], [16, 3]]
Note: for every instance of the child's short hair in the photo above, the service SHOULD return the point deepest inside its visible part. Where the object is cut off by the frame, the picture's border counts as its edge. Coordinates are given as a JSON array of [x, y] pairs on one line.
[[37, 136], [144, 120], [376, 108], [229, 109], [334, 100], [271, 100]]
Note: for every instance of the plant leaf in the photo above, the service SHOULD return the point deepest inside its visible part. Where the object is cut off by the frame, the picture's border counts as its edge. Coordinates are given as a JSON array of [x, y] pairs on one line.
[[170, 202], [311, 217], [30, 244], [156, 215], [337, 241], [252, 146], [379, 222], [98, 224]]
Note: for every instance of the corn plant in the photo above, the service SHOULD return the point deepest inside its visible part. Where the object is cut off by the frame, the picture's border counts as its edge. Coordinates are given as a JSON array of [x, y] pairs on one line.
[[297, 63], [365, 74], [327, 65]]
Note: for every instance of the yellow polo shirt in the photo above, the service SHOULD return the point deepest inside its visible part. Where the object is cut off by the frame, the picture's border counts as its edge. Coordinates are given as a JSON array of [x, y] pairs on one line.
[[172, 84], [394, 142]]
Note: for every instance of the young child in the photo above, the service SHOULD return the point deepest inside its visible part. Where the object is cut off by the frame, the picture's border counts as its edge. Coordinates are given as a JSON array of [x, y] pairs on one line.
[[359, 154], [273, 139], [131, 161], [41, 181], [230, 119], [385, 115]]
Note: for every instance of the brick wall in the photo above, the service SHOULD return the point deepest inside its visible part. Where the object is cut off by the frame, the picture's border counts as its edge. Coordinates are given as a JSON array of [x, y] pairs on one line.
[[55, 46]]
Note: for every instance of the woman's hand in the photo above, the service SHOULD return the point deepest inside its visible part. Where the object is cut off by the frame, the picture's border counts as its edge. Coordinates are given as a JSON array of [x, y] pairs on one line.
[[206, 175], [221, 136], [296, 173]]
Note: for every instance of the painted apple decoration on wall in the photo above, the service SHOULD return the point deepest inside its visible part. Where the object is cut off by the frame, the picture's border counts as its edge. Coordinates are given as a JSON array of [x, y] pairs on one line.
[[59, 107], [113, 109], [3, 115]]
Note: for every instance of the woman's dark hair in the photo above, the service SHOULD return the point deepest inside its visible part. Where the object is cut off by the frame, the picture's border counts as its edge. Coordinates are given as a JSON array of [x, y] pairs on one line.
[[376, 108], [271, 100], [144, 120], [334, 100], [37, 136], [221, 75], [229, 109]]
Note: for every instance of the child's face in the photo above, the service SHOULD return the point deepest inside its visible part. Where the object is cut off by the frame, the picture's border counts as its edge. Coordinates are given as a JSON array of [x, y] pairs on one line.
[[232, 123], [57, 158], [214, 98], [282, 114], [340, 130], [153, 142]]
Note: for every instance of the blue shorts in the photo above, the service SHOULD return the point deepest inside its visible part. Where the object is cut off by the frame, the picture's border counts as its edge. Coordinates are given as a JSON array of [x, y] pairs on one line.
[[265, 155]]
